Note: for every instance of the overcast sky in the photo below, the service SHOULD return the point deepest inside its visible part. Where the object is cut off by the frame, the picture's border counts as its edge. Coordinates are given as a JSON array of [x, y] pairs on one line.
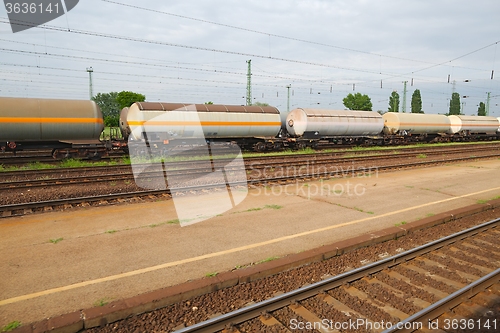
[[195, 51]]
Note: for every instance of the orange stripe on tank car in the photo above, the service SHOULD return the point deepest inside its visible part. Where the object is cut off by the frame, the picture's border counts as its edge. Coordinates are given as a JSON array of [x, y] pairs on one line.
[[479, 125], [50, 120], [202, 123], [440, 125], [415, 124]]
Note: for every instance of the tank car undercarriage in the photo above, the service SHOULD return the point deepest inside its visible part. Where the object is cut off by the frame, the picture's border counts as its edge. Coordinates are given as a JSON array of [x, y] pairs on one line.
[[60, 150]]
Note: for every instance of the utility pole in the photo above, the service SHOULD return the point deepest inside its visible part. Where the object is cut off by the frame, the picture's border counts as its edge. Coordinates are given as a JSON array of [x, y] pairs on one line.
[[403, 108], [488, 103], [249, 82], [288, 98], [90, 71]]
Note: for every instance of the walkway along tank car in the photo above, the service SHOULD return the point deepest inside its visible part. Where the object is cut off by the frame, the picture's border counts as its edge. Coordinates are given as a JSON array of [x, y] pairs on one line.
[[337, 126], [165, 125], [70, 127]]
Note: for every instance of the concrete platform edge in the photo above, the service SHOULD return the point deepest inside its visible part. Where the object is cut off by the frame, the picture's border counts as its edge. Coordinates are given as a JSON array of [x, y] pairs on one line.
[[101, 315]]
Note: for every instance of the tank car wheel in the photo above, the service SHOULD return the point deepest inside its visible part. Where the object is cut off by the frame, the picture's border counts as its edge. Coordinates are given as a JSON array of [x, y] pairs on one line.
[[299, 145], [56, 154], [95, 156], [259, 147]]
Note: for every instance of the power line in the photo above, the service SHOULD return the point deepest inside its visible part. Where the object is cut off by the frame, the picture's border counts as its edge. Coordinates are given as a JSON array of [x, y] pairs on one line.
[[261, 32], [141, 40], [285, 37], [462, 56]]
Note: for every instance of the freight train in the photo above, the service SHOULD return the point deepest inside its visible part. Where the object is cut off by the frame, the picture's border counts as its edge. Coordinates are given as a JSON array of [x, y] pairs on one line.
[[73, 128], [265, 128]]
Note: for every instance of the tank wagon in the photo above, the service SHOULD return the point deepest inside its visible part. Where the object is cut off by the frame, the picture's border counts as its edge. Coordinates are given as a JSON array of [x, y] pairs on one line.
[[473, 125], [415, 127], [252, 127], [338, 126], [69, 127]]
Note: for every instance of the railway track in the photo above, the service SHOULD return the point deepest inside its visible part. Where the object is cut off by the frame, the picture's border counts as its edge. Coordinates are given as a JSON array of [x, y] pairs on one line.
[[260, 165], [269, 180], [42, 157], [414, 288]]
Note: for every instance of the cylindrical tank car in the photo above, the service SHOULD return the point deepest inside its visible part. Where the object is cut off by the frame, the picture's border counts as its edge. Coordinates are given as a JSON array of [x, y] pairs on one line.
[[32, 123], [415, 123], [467, 125], [171, 122], [317, 123]]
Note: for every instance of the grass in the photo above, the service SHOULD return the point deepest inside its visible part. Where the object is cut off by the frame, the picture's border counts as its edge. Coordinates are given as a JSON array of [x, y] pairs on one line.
[[111, 231], [256, 263], [101, 302], [108, 132], [253, 209], [363, 211], [175, 221], [76, 163], [211, 274], [29, 166], [66, 163], [421, 156], [485, 201], [11, 326], [273, 206], [56, 240], [260, 208], [267, 260]]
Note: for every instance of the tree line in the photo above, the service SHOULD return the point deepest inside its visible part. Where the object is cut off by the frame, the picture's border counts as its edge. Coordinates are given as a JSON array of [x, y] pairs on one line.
[[363, 102]]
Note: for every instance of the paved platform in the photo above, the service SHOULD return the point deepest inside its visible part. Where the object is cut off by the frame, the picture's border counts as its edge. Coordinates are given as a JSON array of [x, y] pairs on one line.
[[61, 262]]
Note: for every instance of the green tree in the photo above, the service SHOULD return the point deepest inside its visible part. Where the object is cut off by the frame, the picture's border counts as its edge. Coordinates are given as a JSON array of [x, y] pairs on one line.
[[109, 107], [112, 103], [107, 103], [358, 102], [416, 102], [260, 104], [209, 103], [481, 110], [455, 104], [127, 98], [394, 102]]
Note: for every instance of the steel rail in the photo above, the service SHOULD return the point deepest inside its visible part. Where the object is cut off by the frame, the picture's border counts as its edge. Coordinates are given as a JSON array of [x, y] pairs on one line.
[[126, 176], [434, 150], [435, 310], [272, 304], [262, 181]]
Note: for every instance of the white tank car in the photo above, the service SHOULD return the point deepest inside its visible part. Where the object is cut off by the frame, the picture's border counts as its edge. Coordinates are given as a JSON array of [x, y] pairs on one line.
[[330, 123], [168, 121], [498, 125], [473, 124], [415, 123]]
